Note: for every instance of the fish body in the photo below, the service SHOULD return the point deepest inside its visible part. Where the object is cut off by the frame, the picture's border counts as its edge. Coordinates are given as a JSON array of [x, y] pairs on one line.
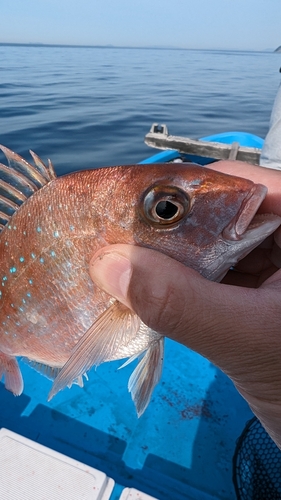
[[52, 314]]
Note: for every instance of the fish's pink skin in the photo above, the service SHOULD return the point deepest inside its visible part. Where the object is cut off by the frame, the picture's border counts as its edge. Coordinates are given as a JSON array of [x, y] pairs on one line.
[[48, 300]]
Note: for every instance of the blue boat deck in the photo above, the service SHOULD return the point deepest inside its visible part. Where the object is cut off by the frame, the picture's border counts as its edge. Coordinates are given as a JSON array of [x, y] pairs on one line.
[[181, 448]]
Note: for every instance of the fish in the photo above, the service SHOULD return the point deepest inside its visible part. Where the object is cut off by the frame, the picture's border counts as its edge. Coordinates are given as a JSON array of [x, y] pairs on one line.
[[51, 314]]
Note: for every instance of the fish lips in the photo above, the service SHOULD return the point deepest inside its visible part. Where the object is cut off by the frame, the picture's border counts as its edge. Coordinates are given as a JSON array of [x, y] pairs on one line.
[[247, 224]]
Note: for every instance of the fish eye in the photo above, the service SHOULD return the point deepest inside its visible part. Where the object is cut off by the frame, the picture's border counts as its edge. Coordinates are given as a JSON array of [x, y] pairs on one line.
[[166, 209], [165, 205]]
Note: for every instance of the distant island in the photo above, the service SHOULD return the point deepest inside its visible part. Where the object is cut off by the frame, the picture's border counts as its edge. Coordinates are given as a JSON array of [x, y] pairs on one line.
[[278, 50]]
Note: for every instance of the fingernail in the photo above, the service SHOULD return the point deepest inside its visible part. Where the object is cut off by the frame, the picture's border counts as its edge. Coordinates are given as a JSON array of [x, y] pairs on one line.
[[112, 272]]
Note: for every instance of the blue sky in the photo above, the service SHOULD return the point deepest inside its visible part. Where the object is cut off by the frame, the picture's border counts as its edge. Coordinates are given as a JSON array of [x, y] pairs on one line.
[[229, 24]]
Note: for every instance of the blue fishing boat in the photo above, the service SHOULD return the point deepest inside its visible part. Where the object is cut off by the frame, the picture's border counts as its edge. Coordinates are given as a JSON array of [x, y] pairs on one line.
[[88, 443], [228, 145]]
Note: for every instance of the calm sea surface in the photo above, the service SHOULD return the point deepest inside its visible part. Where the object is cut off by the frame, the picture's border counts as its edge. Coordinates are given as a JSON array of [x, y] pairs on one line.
[[89, 107]]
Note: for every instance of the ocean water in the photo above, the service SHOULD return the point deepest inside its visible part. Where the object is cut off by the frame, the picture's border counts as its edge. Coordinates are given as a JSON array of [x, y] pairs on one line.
[[90, 107]]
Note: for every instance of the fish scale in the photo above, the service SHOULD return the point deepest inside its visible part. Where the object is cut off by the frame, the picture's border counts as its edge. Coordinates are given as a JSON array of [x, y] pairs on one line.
[[52, 314]]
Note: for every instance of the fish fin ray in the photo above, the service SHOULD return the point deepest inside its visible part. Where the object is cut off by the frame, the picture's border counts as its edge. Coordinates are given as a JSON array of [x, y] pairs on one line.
[[7, 210], [47, 172], [78, 381], [131, 359], [52, 173], [114, 327], [7, 206], [10, 192], [50, 372], [11, 177], [9, 368], [4, 218], [30, 172], [20, 180], [146, 375]]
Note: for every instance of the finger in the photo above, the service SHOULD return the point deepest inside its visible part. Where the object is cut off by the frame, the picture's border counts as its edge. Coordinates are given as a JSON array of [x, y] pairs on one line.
[[256, 262], [277, 236], [177, 302], [236, 278], [269, 177]]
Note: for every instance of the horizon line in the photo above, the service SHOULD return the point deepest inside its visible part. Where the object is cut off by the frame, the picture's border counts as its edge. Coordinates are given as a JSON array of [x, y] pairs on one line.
[[111, 46]]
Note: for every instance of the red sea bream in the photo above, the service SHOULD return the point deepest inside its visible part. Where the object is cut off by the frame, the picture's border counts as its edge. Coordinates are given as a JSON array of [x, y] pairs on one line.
[[51, 313]]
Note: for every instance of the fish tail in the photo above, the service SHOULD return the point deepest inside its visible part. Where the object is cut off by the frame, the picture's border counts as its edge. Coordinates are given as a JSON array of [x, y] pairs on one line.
[[9, 368], [146, 375]]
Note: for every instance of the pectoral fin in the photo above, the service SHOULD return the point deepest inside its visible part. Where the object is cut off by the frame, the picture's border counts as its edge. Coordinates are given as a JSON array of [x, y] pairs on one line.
[[10, 369], [146, 375], [117, 326]]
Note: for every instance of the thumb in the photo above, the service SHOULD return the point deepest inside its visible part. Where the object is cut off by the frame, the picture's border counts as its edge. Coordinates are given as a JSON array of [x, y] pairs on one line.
[[237, 328], [179, 303]]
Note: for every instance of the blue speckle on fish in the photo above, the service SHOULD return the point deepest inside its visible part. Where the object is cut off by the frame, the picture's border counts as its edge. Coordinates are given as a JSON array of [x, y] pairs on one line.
[[13, 269]]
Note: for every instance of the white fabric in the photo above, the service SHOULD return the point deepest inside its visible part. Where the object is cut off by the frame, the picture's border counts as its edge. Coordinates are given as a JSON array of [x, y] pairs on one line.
[[271, 151]]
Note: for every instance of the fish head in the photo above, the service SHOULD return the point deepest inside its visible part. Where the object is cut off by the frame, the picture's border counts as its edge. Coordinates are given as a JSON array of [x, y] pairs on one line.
[[205, 219]]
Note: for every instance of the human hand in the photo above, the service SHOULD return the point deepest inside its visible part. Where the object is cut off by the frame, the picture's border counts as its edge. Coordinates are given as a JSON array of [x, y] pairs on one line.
[[236, 327], [264, 260]]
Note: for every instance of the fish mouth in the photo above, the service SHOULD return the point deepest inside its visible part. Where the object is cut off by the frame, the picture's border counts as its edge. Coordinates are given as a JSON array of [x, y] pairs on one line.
[[247, 224]]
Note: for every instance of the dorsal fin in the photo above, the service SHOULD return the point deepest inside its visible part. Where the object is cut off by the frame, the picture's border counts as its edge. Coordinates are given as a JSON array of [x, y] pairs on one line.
[[7, 206], [4, 218], [15, 180], [31, 173], [47, 171], [10, 192], [20, 180]]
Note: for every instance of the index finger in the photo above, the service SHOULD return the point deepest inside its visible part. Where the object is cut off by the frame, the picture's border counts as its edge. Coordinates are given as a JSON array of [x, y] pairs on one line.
[[260, 175]]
